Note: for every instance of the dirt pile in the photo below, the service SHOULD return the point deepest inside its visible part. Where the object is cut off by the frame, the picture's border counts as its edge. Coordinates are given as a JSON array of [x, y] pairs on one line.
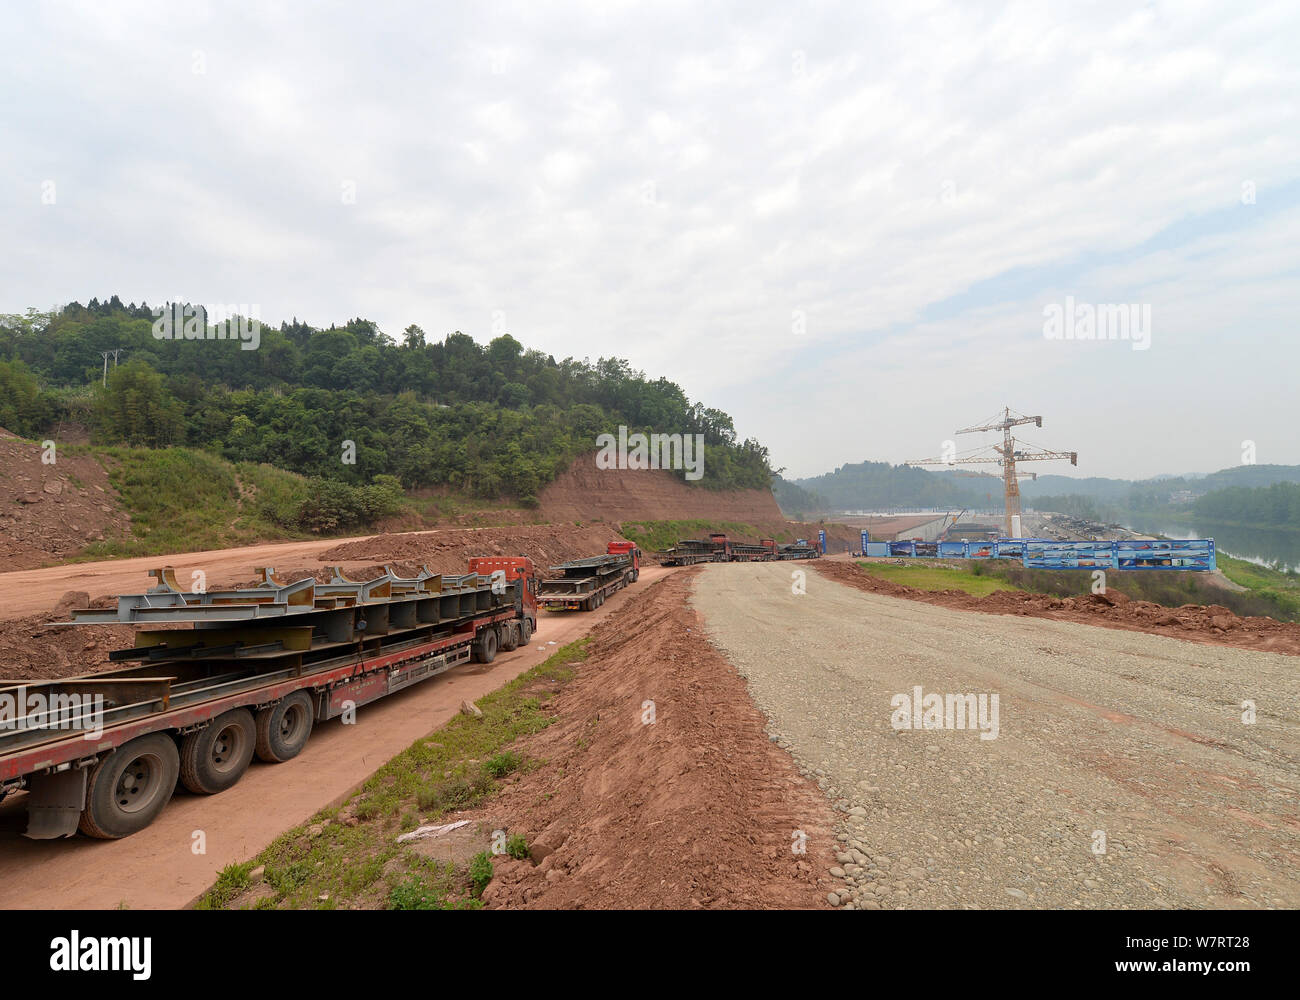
[[32, 648], [51, 511], [1210, 624], [583, 492], [697, 810], [450, 551]]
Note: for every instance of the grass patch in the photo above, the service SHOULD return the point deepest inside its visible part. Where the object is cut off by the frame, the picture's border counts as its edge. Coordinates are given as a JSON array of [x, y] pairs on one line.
[[231, 881], [502, 764], [1274, 594], [326, 864], [934, 578], [182, 500]]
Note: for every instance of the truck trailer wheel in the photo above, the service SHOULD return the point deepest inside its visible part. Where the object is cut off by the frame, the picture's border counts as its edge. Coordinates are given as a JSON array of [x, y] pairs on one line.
[[283, 729], [214, 758], [509, 637], [485, 646], [127, 788]]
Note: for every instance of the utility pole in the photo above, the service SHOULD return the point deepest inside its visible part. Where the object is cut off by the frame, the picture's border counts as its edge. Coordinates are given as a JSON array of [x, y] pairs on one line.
[[115, 352], [1005, 455]]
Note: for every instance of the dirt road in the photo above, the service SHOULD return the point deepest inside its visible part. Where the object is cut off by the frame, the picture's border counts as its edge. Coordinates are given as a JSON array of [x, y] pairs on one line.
[[445, 550], [31, 591], [1122, 773], [157, 868]]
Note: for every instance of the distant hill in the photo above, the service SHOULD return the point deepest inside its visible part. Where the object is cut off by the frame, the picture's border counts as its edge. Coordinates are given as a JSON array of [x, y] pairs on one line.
[[879, 485], [872, 485]]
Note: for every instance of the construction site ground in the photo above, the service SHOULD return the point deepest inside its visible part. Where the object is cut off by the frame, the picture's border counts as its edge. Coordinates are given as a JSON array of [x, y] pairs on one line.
[[1137, 736], [1128, 770]]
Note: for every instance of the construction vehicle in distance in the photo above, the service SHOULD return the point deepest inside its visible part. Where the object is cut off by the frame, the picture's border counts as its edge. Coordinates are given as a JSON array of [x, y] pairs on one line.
[[583, 584], [718, 548], [252, 674], [800, 549]]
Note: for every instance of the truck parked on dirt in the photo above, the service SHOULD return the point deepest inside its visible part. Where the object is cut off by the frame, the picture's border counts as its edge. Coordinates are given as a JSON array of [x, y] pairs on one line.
[[718, 548], [255, 670], [583, 584]]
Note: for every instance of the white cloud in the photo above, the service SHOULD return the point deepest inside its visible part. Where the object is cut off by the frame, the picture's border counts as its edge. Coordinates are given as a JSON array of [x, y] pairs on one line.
[[672, 187]]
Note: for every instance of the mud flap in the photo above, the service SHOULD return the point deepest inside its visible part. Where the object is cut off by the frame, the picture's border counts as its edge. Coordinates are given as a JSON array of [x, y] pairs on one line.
[[54, 804]]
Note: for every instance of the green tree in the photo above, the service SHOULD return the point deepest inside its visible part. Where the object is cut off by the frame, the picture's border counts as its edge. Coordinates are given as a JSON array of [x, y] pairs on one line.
[[136, 409]]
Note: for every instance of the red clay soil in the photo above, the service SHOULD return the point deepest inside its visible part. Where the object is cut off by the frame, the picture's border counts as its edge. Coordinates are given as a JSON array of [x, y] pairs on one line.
[[450, 551], [1212, 624], [583, 492], [697, 811], [49, 512], [31, 648]]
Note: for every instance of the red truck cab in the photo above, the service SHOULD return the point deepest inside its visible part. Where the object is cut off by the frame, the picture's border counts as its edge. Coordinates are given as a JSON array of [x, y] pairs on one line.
[[515, 568], [628, 548]]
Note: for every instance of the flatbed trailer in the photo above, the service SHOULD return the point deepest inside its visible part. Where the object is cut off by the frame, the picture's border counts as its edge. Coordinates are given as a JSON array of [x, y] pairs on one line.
[[256, 669], [718, 548], [689, 551], [583, 584]]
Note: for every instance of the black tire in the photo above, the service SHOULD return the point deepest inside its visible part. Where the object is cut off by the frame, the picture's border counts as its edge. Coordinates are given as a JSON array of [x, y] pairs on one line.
[[589, 604], [485, 646], [525, 631], [509, 637], [128, 788], [636, 574], [215, 757], [284, 728]]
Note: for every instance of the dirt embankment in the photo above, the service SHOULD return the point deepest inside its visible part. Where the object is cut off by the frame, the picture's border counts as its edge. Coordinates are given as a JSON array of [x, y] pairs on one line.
[[1212, 624], [697, 810], [450, 551], [584, 493], [31, 648], [51, 510]]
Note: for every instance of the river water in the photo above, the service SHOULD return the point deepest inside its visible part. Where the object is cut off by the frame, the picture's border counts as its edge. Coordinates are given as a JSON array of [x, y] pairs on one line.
[[1278, 549]]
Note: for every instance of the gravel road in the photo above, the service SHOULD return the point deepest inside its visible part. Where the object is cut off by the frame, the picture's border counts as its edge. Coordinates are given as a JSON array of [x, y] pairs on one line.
[[1122, 773]]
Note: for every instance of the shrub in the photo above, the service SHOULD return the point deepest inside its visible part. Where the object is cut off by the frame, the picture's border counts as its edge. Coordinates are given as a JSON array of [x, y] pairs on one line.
[[502, 764], [480, 872], [517, 846]]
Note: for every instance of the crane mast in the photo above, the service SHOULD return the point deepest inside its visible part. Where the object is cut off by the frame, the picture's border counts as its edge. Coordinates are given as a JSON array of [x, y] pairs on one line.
[[1006, 454]]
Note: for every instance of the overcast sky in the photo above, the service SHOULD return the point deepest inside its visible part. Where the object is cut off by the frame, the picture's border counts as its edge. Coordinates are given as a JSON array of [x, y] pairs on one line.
[[841, 224]]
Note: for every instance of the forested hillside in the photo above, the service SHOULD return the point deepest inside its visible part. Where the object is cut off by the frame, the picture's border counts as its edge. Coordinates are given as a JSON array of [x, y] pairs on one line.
[[1274, 506], [1258, 495], [880, 486], [486, 420]]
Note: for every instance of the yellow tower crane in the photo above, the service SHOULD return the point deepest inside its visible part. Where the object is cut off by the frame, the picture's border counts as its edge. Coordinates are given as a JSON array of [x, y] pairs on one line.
[[1007, 454]]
